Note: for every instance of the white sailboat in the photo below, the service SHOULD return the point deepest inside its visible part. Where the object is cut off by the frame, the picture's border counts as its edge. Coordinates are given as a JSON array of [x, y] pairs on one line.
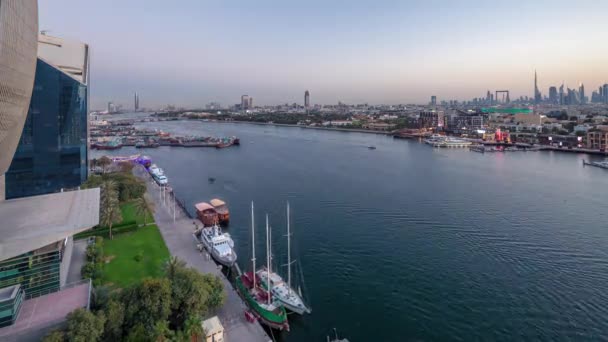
[[282, 291]]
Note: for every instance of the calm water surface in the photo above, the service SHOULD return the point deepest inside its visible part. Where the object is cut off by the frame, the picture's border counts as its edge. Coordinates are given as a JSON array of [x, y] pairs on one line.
[[407, 242]]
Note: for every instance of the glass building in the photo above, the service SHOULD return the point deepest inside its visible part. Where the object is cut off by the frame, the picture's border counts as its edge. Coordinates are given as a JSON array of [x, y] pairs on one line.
[[52, 151]]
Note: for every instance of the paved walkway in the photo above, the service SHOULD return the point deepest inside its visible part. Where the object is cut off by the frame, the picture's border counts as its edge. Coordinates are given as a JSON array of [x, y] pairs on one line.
[[78, 260], [179, 240]]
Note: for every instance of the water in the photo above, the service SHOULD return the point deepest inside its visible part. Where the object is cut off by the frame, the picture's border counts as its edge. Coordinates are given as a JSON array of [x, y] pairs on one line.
[[407, 242]]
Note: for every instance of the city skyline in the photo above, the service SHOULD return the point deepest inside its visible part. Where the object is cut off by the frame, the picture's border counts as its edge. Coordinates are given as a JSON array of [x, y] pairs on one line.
[[400, 53]]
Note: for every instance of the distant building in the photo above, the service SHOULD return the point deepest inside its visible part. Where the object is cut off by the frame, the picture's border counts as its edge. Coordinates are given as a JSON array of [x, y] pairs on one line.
[[433, 100], [605, 93], [553, 97], [250, 105], [598, 140], [431, 119], [537, 94], [464, 122], [53, 150], [581, 93], [136, 102], [244, 102], [306, 100]]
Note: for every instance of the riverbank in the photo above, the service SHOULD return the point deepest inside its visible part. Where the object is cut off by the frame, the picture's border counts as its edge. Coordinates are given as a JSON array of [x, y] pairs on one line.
[[297, 126], [176, 228]]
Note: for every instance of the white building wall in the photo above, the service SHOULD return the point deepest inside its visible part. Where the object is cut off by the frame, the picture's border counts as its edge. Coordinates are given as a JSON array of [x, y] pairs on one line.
[[18, 46]]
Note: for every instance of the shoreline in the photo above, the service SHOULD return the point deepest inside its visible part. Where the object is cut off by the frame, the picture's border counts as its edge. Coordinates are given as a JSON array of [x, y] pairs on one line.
[[337, 129]]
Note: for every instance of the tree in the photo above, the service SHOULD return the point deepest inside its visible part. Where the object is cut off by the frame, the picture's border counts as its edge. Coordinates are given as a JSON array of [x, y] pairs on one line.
[[142, 207], [84, 326], [192, 329], [146, 303], [192, 294], [172, 266], [217, 295], [189, 296], [54, 336], [103, 162], [109, 210], [115, 317]]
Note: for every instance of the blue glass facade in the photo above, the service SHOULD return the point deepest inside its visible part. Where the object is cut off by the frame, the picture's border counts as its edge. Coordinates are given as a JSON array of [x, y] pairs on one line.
[[52, 151]]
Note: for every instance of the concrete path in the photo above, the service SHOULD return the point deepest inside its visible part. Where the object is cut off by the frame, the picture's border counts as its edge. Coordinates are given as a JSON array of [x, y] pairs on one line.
[[78, 260], [178, 238]]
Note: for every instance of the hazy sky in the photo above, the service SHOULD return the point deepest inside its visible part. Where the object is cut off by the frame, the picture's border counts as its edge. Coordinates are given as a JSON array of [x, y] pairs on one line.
[[191, 52]]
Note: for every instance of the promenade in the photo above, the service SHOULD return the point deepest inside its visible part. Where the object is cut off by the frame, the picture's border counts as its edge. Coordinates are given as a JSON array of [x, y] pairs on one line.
[[179, 240]]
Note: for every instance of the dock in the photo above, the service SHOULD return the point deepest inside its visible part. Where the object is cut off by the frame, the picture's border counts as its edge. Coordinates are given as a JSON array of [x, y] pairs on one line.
[[601, 164], [176, 227]]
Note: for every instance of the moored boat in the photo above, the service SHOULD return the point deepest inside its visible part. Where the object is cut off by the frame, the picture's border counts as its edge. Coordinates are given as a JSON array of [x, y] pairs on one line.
[[218, 244], [223, 215], [280, 289], [259, 299], [206, 213]]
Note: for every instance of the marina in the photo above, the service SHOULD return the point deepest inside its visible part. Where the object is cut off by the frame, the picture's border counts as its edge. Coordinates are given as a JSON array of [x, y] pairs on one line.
[[349, 240]]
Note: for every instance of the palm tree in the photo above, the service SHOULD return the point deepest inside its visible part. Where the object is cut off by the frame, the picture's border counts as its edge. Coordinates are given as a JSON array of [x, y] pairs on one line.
[[109, 209], [193, 328], [142, 207], [172, 265], [103, 162]]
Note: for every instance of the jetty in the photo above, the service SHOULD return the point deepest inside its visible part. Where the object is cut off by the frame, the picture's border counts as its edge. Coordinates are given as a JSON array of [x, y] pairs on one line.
[[176, 227]]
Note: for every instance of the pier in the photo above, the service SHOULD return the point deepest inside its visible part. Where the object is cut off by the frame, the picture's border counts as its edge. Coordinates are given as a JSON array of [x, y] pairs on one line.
[[176, 227]]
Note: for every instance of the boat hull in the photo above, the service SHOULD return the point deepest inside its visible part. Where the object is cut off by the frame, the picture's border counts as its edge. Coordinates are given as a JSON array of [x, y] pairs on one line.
[[292, 308], [266, 317], [227, 261]]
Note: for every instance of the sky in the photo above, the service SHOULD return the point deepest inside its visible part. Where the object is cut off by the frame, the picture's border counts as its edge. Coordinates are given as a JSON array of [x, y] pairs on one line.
[[191, 52]]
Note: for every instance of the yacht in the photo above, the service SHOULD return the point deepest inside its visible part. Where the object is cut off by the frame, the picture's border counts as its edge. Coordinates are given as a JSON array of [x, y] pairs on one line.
[[280, 289], [218, 244]]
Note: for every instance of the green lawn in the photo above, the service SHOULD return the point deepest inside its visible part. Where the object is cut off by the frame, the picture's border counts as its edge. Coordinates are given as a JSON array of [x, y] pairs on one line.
[[123, 269], [129, 213]]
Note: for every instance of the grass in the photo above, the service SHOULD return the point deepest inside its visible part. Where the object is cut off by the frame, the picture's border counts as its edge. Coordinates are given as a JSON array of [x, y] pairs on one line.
[[129, 213], [123, 269]]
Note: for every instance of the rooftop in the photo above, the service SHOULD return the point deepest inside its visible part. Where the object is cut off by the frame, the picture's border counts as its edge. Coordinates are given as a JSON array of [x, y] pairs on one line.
[[33, 222], [41, 313]]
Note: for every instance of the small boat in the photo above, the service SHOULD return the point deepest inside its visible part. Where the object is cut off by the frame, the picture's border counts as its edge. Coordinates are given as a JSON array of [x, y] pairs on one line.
[[223, 215], [206, 213], [218, 244], [371, 147], [260, 299]]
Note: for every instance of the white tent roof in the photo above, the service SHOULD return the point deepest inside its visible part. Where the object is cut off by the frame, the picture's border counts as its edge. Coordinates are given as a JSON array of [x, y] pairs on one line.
[[29, 223]]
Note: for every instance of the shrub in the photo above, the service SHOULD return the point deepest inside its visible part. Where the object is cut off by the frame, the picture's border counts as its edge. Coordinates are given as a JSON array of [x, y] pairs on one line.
[[139, 256]]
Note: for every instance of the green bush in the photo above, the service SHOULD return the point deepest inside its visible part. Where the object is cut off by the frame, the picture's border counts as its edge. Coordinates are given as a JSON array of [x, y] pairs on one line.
[[139, 256], [104, 232]]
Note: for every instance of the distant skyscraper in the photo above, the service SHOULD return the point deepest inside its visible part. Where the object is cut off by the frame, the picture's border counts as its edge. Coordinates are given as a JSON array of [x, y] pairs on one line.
[[562, 95], [250, 102], [110, 107], [306, 100], [537, 95], [244, 102], [605, 92], [553, 98], [581, 93], [489, 97], [136, 100], [433, 100]]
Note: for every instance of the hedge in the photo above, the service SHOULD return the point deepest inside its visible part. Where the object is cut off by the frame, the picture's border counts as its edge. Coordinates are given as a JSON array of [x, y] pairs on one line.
[[105, 232]]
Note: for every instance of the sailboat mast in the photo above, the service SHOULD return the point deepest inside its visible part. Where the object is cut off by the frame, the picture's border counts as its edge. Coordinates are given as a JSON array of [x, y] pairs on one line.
[[267, 260], [253, 244], [288, 252]]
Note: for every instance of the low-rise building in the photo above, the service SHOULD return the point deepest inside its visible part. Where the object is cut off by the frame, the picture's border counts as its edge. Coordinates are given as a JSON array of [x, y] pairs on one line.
[[597, 139]]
